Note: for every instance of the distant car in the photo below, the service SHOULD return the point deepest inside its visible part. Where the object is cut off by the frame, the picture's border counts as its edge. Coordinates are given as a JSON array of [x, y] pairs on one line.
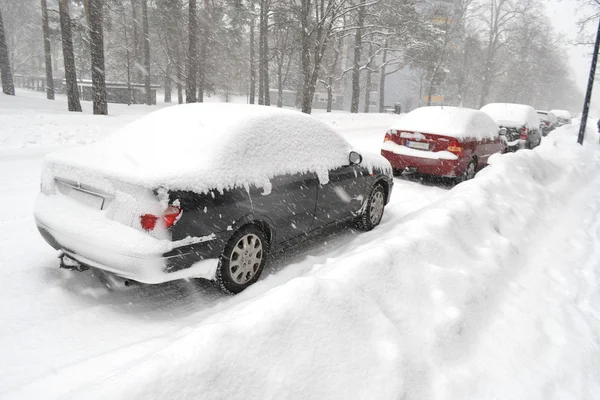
[[205, 190], [563, 116], [521, 122], [447, 142], [548, 121]]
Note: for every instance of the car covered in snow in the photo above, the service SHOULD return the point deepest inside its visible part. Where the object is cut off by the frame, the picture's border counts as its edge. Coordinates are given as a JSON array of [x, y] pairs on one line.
[[564, 117], [442, 141], [521, 122], [205, 190], [548, 121]]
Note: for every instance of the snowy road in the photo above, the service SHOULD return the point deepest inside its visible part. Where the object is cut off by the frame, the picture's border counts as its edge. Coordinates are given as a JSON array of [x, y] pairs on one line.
[[487, 290]]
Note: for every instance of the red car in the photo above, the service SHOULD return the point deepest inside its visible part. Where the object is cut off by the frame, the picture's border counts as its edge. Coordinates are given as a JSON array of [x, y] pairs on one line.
[[442, 141]]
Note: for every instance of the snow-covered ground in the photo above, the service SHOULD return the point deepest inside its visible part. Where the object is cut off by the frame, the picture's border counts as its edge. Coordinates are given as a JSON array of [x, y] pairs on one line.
[[487, 290]]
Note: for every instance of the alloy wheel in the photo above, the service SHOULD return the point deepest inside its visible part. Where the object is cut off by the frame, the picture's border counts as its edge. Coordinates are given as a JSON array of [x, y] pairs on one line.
[[245, 258]]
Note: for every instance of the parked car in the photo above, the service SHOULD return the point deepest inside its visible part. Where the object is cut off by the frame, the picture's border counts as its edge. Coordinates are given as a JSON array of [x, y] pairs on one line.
[[442, 141], [205, 190], [521, 122], [548, 121], [563, 116]]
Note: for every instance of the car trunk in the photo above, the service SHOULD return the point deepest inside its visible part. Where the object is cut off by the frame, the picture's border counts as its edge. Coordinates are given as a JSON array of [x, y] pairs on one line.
[[424, 141]]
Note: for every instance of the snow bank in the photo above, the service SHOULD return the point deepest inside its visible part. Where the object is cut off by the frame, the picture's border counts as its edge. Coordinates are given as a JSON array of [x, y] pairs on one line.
[[512, 115], [448, 303], [205, 146], [455, 122]]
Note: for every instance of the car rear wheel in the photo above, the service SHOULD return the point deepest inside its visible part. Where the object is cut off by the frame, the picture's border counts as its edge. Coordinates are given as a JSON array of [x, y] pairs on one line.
[[242, 259], [373, 211], [469, 173]]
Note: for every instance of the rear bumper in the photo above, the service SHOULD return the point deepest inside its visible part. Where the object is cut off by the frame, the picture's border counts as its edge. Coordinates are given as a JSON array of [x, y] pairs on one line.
[[110, 246], [428, 166]]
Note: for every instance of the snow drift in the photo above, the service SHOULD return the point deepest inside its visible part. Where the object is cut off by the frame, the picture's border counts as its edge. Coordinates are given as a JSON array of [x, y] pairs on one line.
[[429, 311]]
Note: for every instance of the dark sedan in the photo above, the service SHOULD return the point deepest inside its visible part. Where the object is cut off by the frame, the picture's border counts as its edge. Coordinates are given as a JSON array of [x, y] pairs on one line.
[[205, 190]]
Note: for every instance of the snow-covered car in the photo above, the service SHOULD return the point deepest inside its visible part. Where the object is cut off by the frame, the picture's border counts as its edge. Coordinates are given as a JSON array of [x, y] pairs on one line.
[[442, 141], [548, 121], [205, 190], [521, 122], [563, 116]]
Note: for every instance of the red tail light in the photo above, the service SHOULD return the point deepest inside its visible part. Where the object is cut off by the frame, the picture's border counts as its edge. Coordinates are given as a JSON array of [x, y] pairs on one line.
[[170, 216], [454, 147], [524, 133], [387, 137]]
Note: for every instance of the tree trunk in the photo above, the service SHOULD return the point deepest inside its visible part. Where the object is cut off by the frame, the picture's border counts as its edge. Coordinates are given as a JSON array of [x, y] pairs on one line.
[[265, 49], [261, 54], [47, 52], [252, 70], [357, 54], [8, 86], [192, 62], [367, 105], [201, 69], [149, 98], [382, 79], [329, 93], [136, 43], [97, 51], [280, 84], [69, 58], [168, 83], [179, 84]]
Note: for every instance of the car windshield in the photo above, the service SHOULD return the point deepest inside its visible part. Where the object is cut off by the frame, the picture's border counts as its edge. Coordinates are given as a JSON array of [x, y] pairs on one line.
[[299, 200]]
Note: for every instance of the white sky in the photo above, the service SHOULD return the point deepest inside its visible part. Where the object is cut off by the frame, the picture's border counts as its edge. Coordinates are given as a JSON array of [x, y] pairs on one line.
[[563, 14]]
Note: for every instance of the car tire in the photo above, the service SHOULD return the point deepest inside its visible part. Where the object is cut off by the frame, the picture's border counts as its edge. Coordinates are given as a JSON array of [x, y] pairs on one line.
[[243, 259], [469, 173], [372, 213]]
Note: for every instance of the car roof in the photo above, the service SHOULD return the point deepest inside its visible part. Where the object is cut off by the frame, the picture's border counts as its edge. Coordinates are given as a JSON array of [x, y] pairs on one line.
[[455, 122], [512, 115], [201, 147]]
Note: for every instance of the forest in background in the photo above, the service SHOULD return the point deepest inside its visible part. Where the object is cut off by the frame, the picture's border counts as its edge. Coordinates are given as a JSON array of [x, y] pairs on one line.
[[470, 52]]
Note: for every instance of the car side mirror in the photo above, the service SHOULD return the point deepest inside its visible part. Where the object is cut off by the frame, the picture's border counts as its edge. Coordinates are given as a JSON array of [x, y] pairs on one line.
[[354, 158], [502, 132]]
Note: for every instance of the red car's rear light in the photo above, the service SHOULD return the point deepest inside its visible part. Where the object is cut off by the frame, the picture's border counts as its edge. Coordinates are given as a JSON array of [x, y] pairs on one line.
[[454, 147], [524, 133], [170, 216], [387, 137]]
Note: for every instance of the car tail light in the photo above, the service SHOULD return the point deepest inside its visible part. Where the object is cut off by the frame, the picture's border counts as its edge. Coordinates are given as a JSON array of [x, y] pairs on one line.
[[524, 133], [387, 137], [454, 147], [170, 217]]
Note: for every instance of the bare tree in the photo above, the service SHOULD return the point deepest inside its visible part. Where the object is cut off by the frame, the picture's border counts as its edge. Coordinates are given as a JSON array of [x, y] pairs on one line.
[[69, 58], [149, 98], [47, 52], [360, 23], [192, 59], [95, 16], [252, 61], [7, 80]]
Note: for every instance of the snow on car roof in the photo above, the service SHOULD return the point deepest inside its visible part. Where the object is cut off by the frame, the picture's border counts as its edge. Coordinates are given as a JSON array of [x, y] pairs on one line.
[[448, 121], [562, 113], [202, 147], [512, 115], [546, 115]]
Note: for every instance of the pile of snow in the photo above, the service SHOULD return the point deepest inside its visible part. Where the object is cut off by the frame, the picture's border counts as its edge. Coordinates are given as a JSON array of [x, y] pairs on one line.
[[205, 146], [472, 297], [511, 115]]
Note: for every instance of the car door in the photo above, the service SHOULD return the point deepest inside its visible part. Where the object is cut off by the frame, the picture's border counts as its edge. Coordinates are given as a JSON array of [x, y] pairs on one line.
[[342, 197], [289, 203]]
